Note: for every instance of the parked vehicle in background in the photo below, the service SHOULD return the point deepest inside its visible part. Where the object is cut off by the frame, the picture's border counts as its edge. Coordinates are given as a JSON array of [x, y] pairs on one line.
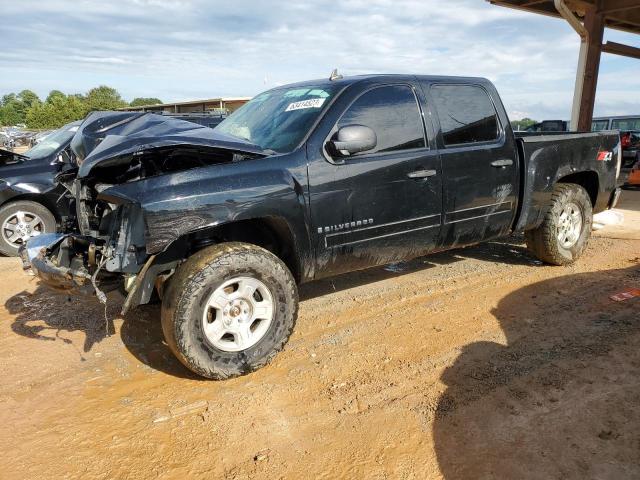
[[634, 176], [39, 136], [15, 136], [308, 181], [33, 200], [629, 127], [549, 126], [621, 122]]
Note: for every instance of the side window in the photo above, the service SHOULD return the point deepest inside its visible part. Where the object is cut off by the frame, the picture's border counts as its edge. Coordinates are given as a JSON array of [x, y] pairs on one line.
[[466, 114], [626, 124], [392, 112], [599, 125]]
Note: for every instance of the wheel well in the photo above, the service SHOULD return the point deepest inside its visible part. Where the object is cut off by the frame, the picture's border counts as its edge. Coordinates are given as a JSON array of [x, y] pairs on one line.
[[587, 180], [270, 233], [35, 199]]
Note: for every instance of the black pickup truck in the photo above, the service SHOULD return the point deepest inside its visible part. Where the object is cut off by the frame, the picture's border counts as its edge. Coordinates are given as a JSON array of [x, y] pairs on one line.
[[307, 181]]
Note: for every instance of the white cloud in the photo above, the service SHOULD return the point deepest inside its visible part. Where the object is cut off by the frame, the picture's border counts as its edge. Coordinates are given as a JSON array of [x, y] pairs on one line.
[[178, 50]]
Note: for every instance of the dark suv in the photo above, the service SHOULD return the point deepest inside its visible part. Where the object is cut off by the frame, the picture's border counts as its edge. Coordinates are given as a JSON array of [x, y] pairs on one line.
[[31, 201]]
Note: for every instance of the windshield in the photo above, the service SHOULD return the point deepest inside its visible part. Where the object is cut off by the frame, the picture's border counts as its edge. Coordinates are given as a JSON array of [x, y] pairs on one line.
[[279, 119], [52, 142]]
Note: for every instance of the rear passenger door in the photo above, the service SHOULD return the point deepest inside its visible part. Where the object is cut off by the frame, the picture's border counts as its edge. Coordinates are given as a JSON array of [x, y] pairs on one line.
[[479, 163]]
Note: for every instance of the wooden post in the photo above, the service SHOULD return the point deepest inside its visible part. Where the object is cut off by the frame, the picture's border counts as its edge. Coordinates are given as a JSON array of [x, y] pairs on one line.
[[594, 23]]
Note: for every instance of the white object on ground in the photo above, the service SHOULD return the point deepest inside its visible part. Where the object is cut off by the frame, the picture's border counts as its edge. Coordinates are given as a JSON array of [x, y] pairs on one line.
[[607, 218]]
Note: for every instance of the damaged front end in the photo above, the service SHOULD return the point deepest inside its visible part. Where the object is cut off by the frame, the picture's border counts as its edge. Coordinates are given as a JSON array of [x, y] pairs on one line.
[[61, 262], [113, 249], [114, 257]]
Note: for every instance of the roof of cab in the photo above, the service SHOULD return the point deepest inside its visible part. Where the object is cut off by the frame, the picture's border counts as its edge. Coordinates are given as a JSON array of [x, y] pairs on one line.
[[348, 80]]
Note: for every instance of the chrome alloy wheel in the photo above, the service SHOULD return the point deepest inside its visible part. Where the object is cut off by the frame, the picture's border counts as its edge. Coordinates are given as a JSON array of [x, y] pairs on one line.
[[20, 227], [238, 314], [569, 225]]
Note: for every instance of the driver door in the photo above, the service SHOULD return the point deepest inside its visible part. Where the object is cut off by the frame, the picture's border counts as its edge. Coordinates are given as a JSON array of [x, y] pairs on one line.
[[384, 204]]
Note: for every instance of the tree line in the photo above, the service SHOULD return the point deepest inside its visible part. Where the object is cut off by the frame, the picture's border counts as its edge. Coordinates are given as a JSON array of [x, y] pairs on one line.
[[58, 108], [522, 124]]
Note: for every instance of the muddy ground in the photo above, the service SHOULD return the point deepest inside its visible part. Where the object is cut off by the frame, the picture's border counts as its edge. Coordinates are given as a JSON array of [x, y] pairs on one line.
[[478, 363]]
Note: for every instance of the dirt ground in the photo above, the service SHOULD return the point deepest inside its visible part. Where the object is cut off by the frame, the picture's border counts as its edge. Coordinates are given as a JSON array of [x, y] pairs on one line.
[[477, 363]]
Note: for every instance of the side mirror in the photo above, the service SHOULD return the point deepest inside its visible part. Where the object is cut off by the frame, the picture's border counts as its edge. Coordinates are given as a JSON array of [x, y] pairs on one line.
[[354, 139]]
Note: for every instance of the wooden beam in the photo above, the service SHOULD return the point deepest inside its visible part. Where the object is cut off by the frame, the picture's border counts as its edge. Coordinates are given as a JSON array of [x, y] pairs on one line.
[[622, 15], [620, 49], [594, 23], [612, 6], [531, 2], [550, 12]]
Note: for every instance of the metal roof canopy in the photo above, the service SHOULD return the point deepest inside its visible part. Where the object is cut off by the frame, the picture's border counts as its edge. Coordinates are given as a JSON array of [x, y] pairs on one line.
[[589, 19]]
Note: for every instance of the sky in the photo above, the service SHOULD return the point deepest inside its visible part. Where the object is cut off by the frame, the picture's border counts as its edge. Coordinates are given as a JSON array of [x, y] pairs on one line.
[[193, 49]]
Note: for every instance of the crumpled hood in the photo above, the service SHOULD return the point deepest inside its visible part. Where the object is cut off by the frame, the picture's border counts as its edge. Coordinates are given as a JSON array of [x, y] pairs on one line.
[[104, 136]]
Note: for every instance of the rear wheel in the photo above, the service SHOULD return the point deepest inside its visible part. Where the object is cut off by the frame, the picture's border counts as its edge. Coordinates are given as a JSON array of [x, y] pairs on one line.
[[21, 220], [229, 309], [566, 229]]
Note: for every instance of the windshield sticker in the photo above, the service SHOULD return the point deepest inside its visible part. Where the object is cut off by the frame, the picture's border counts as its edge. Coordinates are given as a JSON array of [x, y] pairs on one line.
[[310, 103]]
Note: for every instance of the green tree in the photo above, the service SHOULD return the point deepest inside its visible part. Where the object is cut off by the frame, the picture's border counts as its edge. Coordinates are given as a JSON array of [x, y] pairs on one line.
[[13, 108], [58, 108], [9, 97], [522, 124], [53, 94], [143, 101], [28, 98], [104, 98], [56, 111], [10, 115]]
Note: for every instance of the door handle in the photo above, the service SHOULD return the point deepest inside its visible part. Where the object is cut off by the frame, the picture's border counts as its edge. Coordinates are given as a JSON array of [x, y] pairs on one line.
[[502, 163], [422, 174]]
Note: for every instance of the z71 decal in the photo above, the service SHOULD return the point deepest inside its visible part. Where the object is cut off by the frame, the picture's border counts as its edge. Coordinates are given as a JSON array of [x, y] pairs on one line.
[[605, 156]]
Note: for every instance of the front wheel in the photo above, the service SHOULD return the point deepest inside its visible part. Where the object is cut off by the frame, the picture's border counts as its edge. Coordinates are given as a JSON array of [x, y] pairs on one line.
[[229, 309], [566, 228], [21, 220]]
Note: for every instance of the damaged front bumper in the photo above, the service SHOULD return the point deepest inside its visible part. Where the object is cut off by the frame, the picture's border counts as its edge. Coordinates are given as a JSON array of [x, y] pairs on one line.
[[36, 257], [67, 263], [48, 258]]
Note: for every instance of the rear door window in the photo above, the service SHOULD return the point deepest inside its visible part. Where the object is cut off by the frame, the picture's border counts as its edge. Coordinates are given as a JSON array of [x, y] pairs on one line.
[[466, 114], [392, 112]]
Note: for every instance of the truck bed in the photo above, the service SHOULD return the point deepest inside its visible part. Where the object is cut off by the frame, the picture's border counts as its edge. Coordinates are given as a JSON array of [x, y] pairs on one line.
[[545, 158]]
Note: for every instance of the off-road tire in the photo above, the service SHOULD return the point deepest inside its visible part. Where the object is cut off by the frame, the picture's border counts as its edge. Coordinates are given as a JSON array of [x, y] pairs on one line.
[[9, 209], [543, 241], [187, 293]]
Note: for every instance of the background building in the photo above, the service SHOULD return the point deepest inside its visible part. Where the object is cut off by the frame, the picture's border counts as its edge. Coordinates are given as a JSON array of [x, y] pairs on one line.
[[216, 105]]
